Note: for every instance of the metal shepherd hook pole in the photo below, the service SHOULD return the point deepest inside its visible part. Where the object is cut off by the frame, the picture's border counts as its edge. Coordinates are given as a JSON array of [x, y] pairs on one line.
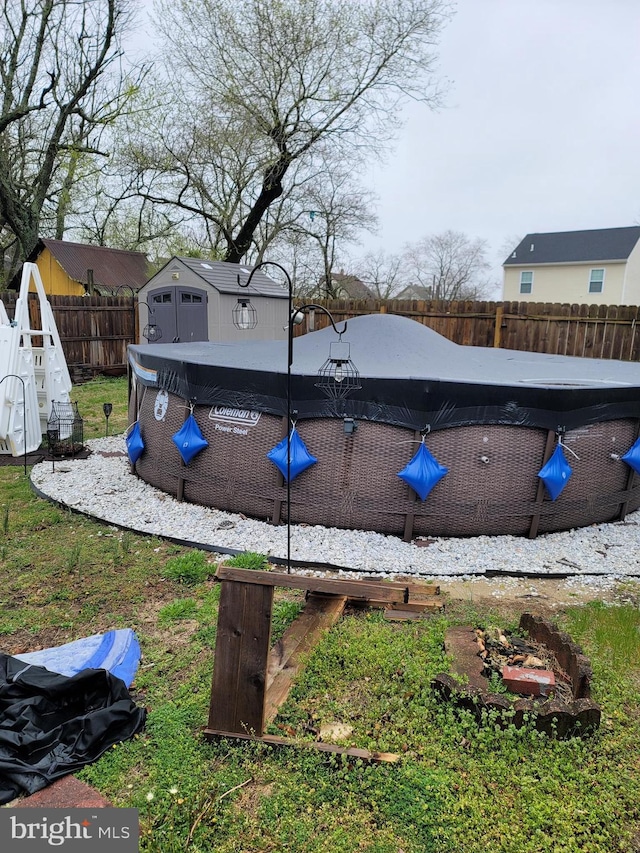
[[289, 413], [337, 377]]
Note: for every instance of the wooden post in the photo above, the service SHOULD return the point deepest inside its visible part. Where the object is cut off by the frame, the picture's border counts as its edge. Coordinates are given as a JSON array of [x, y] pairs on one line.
[[242, 649], [410, 517], [497, 329], [535, 518], [629, 485], [277, 501]]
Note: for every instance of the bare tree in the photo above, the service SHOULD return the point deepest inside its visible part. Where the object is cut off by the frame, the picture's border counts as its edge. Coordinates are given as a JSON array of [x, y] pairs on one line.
[[263, 86], [63, 85], [449, 265], [381, 271]]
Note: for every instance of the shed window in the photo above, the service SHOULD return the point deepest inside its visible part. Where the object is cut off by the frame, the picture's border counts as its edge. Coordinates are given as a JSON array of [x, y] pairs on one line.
[[190, 297], [596, 281], [162, 297], [526, 281]]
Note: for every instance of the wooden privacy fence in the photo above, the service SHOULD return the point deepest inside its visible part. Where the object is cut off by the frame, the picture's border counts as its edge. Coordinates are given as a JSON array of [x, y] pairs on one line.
[[95, 330], [591, 331]]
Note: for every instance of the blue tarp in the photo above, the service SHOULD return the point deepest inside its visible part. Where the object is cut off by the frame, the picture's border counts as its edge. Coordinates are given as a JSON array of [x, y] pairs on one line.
[[117, 651]]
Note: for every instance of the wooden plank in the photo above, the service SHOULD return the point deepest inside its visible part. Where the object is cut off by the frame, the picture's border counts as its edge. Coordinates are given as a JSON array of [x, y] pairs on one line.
[[274, 740], [287, 657], [432, 604], [359, 590], [240, 664], [403, 615]]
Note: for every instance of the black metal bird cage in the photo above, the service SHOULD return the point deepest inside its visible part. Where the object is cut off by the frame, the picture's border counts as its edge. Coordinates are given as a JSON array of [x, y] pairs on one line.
[[65, 429]]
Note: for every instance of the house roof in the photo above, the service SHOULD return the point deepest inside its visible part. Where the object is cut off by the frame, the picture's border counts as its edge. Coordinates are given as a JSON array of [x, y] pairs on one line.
[[351, 286], [415, 291], [562, 247], [112, 268], [224, 277]]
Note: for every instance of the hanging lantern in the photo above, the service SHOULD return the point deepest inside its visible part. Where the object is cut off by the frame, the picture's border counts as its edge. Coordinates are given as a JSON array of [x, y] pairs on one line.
[[244, 315], [338, 376]]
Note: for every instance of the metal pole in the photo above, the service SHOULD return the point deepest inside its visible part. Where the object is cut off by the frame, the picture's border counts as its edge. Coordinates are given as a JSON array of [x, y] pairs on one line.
[[289, 363], [289, 424], [24, 413]]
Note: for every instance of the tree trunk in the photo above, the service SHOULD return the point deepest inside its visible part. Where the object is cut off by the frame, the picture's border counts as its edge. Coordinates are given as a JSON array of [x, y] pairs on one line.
[[270, 191]]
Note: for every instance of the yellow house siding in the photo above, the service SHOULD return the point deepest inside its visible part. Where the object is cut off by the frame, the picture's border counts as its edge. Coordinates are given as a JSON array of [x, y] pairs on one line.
[[631, 286], [566, 283], [55, 280]]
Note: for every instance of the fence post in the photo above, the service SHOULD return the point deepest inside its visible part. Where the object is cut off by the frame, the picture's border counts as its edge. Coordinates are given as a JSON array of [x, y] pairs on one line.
[[497, 331]]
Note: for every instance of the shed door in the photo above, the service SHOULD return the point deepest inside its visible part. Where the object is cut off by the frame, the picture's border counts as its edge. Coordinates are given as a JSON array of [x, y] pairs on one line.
[[180, 313], [191, 310]]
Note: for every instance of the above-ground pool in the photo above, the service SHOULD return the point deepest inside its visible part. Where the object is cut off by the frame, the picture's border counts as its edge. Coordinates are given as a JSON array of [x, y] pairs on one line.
[[492, 417]]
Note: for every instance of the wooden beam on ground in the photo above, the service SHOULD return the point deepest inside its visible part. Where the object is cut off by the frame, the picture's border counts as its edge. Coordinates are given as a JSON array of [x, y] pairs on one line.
[[434, 604], [287, 657], [358, 590], [273, 740], [422, 590]]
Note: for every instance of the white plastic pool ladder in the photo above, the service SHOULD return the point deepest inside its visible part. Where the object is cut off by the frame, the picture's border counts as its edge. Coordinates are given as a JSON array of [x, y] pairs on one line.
[[25, 402]]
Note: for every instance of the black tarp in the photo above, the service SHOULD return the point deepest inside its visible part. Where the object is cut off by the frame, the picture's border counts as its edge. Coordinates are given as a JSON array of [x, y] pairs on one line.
[[409, 375], [51, 724]]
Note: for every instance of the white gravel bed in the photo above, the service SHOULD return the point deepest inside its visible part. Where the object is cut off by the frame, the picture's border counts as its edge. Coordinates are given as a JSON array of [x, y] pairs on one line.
[[103, 486]]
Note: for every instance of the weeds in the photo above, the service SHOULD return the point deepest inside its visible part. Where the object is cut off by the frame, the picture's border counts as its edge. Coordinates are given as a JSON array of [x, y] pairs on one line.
[[181, 608], [190, 568], [126, 541], [73, 556], [248, 560]]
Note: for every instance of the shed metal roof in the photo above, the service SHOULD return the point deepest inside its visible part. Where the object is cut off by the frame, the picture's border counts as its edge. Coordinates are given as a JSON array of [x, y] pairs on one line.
[[224, 277], [562, 247], [111, 267]]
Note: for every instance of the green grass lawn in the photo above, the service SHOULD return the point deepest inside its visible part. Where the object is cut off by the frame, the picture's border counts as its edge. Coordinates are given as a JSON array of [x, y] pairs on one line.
[[457, 787]]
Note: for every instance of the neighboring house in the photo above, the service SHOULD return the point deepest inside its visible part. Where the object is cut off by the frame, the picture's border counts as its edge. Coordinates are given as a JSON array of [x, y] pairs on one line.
[[77, 269], [191, 299], [415, 291], [599, 267], [347, 286]]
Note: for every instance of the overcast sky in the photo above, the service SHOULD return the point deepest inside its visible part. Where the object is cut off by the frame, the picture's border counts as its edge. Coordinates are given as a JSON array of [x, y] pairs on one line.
[[540, 129]]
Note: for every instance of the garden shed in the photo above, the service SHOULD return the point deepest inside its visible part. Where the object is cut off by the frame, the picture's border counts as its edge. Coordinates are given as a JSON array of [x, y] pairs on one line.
[[191, 299]]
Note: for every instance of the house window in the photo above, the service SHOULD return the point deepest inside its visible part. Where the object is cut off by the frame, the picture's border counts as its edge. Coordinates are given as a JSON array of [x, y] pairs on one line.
[[596, 281], [526, 281]]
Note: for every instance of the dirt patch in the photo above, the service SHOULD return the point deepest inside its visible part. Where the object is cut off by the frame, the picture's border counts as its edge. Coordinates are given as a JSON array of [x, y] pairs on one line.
[[252, 796], [547, 596]]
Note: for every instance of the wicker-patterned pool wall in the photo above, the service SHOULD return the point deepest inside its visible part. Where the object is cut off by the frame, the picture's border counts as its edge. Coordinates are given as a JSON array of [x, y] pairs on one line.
[[491, 488]]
